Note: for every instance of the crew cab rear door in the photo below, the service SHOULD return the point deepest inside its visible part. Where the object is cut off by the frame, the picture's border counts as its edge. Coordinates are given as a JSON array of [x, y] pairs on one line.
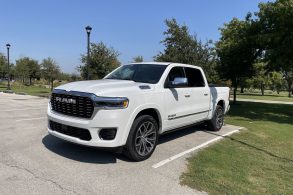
[[199, 99]]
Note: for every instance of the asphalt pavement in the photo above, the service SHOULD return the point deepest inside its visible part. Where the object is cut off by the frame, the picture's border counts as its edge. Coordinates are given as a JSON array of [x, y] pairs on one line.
[[33, 162]]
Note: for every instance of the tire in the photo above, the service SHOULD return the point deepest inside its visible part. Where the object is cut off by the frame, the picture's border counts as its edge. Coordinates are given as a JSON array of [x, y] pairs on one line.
[[142, 139], [216, 123]]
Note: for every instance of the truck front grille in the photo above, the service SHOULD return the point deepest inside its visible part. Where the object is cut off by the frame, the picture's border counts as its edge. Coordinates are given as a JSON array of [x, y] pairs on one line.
[[80, 133], [78, 106]]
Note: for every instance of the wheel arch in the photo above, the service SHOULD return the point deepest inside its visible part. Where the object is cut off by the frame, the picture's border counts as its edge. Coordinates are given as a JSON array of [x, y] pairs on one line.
[[152, 112], [221, 103], [148, 109]]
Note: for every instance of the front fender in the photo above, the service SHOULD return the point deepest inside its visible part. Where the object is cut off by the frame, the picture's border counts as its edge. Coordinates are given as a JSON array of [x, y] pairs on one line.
[[136, 112]]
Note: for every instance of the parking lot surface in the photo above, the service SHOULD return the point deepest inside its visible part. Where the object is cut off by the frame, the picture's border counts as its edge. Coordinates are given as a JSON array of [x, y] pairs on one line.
[[33, 162]]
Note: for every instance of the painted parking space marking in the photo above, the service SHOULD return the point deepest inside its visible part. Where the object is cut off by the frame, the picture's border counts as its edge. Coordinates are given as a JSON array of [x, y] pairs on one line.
[[21, 109], [30, 119], [163, 162]]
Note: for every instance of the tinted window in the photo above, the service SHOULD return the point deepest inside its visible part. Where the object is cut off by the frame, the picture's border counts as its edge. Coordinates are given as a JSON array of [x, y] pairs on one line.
[[144, 73], [194, 77], [176, 72]]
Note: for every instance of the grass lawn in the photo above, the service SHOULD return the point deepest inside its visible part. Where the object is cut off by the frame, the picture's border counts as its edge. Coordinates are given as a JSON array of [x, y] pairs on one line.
[[269, 95], [258, 160], [30, 90]]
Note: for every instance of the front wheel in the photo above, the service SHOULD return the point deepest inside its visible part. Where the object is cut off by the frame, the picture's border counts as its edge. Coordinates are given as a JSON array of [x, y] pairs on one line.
[[216, 123], [142, 139]]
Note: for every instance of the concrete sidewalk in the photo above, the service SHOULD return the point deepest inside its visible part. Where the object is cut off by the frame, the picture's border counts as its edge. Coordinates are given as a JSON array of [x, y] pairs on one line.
[[263, 101]]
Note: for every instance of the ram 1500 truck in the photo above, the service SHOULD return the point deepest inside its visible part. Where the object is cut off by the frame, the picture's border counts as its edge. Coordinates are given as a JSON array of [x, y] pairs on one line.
[[133, 105]]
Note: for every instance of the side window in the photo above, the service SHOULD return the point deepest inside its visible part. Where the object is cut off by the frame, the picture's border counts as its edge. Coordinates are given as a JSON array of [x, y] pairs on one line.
[[194, 77], [175, 72]]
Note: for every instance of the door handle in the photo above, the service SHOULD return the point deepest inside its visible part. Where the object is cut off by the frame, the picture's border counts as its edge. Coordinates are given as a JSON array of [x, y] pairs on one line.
[[187, 96], [206, 94]]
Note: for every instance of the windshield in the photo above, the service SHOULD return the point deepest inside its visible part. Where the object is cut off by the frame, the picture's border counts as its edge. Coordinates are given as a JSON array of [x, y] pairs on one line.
[[143, 73]]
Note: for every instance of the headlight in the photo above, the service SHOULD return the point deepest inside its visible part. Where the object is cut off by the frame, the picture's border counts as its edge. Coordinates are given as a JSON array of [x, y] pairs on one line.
[[111, 102]]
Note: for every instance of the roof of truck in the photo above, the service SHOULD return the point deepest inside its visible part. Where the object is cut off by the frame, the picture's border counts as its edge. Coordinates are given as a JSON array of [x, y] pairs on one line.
[[155, 63], [165, 63]]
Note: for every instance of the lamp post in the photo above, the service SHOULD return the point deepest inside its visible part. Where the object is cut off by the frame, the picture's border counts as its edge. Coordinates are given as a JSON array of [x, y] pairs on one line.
[[88, 31], [8, 67]]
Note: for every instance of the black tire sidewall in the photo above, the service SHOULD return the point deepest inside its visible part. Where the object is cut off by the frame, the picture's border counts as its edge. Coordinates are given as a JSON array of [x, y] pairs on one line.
[[213, 122], [130, 146]]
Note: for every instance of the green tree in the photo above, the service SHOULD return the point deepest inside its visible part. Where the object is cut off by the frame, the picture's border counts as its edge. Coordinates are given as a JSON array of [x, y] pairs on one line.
[[236, 51], [74, 77], [50, 70], [34, 70], [27, 68], [181, 47], [3, 65], [69, 77], [261, 78], [277, 81], [102, 61], [248, 83], [64, 76], [137, 59], [21, 68], [12, 71], [244, 82], [276, 37]]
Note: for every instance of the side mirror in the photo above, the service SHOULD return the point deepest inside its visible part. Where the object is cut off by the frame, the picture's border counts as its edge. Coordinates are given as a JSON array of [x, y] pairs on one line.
[[178, 82]]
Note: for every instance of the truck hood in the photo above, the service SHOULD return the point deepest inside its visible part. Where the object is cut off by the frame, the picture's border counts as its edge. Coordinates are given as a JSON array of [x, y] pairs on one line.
[[107, 87]]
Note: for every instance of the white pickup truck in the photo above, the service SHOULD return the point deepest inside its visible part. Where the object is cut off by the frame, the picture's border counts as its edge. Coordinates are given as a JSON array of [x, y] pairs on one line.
[[133, 105]]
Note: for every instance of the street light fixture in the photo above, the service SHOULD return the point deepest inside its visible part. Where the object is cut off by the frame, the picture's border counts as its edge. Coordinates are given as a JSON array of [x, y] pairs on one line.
[[88, 31], [8, 66]]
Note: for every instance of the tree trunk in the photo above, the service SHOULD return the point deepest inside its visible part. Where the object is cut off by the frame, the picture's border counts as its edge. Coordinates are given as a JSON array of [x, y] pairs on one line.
[[30, 80], [262, 89], [289, 81], [289, 88], [242, 89], [288, 78], [235, 85], [234, 97]]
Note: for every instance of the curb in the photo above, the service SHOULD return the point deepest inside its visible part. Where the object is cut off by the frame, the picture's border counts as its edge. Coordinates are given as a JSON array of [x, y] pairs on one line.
[[11, 92], [23, 93]]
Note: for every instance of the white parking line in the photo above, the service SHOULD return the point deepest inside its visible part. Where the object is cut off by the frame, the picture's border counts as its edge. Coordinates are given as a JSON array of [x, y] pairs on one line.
[[21, 109], [30, 119], [163, 162]]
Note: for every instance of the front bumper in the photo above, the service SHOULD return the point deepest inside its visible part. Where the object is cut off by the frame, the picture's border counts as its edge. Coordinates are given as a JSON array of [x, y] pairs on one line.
[[102, 119]]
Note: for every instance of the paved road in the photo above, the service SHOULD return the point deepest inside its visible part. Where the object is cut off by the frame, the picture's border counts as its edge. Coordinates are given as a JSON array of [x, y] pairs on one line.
[[263, 101], [32, 162]]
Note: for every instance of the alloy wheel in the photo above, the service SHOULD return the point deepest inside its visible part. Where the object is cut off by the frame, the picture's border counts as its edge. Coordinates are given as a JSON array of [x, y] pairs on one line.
[[219, 118], [145, 138]]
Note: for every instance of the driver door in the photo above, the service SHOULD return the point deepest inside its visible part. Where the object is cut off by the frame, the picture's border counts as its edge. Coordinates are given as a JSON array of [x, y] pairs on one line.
[[176, 101]]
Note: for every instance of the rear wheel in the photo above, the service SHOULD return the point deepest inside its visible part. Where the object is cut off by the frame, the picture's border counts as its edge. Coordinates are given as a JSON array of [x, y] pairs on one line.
[[216, 123], [142, 139]]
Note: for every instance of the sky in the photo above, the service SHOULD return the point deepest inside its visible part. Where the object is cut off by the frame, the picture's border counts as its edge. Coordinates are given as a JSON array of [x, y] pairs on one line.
[[55, 28]]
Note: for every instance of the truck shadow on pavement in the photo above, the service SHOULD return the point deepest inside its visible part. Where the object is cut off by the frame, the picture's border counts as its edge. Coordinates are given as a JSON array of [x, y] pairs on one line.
[[78, 152], [180, 133], [99, 156]]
